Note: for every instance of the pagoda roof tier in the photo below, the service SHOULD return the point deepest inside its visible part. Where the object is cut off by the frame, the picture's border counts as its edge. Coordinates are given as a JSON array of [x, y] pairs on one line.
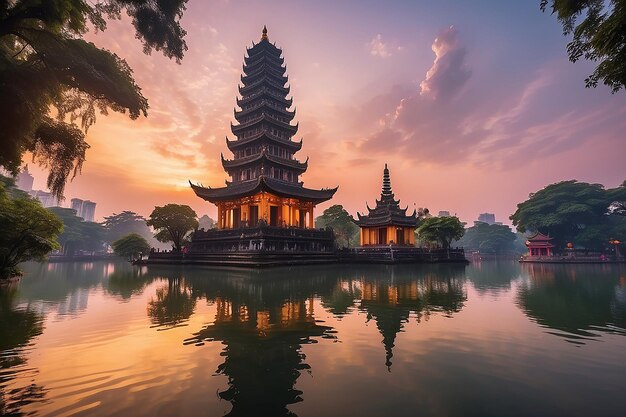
[[264, 46], [387, 211], [264, 83], [264, 69], [260, 184], [263, 156], [261, 137], [265, 105], [267, 94], [264, 74], [253, 61], [390, 219], [264, 117]]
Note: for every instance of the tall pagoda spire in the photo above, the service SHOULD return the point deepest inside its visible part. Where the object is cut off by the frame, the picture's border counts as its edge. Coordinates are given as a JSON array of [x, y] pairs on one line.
[[386, 182], [264, 149]]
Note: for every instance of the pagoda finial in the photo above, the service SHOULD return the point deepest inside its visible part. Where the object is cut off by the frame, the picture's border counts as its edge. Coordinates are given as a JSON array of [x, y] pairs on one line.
[[386, 182], [264, 35]]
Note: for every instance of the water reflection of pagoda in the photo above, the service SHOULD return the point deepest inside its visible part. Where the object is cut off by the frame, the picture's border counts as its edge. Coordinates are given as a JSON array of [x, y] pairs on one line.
[[390, 302], [262, 337], [264, 207]]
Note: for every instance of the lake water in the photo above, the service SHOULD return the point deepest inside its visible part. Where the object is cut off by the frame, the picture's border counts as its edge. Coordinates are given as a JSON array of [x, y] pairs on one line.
[[490, 339]]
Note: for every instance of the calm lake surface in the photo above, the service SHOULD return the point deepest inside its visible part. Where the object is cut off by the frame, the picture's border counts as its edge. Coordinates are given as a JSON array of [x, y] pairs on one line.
[[490, 339]]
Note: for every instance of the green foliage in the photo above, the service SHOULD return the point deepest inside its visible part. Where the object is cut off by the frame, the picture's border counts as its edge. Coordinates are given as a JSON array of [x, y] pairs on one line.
[[173, 305], [78, 235], [598, 28], [489, 238], [342, 223], [572, 211], [29, 232], [45, 68], [131, 246], [173, 223], [440, 230], [124, 223]]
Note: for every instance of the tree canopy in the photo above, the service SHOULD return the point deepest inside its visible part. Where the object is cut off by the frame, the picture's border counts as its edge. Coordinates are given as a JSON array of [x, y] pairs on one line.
[[572, 211], [173, 223], [488, 238], [440, 230], [50, 77], [598, 28], [124, 223], [78, 235], [131, 246], [29, 232], [342, 223]]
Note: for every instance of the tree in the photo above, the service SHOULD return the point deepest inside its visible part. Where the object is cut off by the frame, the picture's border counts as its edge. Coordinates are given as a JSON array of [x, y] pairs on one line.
[[599, 36], [206, 223], [131, 246], [127, 222], [572, 211], [173, 305], [78, 235], [489, 238], [173, 222], [618, 200], [46, 69], [342, 223], [441, 230], [29, 232]]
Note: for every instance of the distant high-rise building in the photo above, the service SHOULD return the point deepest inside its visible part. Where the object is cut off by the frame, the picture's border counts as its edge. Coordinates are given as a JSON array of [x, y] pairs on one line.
[[443, 213], [84, 208], [488, 218], [77, 205], [88, 211], [24, 181], [46, 198]]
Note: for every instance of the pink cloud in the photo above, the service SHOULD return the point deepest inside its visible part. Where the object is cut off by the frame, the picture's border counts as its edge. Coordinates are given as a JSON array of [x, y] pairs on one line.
[[449, 71]]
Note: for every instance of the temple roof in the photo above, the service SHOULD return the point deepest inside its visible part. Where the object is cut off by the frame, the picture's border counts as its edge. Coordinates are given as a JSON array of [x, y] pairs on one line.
[[264, 156], [289, 144], [539, 240], [387, 211], [263, 183], [537, 237], [293, 129], [266, 108]]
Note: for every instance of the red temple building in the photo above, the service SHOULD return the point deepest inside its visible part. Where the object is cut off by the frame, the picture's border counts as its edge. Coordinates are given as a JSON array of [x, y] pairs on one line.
[[264, 205], [387, 223], [539, 245]]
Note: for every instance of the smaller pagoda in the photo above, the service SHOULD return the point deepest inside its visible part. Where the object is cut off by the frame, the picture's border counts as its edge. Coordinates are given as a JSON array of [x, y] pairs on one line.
[[387, 223], [539, 245]]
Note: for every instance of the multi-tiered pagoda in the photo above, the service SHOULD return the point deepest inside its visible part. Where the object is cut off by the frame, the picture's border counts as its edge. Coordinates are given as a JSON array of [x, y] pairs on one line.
[[387, 223], [264, 196]]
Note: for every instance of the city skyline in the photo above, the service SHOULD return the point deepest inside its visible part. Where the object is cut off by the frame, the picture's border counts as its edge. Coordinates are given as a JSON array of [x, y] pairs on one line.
[[473, 108]]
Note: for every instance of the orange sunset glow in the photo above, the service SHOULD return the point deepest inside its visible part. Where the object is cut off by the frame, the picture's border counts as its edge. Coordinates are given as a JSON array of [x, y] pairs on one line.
[[472, 108]]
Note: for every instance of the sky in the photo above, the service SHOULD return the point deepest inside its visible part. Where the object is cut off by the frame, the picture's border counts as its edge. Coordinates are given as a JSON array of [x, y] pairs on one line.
[[472, 106]]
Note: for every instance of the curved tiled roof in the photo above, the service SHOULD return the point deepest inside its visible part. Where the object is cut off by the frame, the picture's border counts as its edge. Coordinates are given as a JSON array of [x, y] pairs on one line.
[[387, 211], [263, 183]]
